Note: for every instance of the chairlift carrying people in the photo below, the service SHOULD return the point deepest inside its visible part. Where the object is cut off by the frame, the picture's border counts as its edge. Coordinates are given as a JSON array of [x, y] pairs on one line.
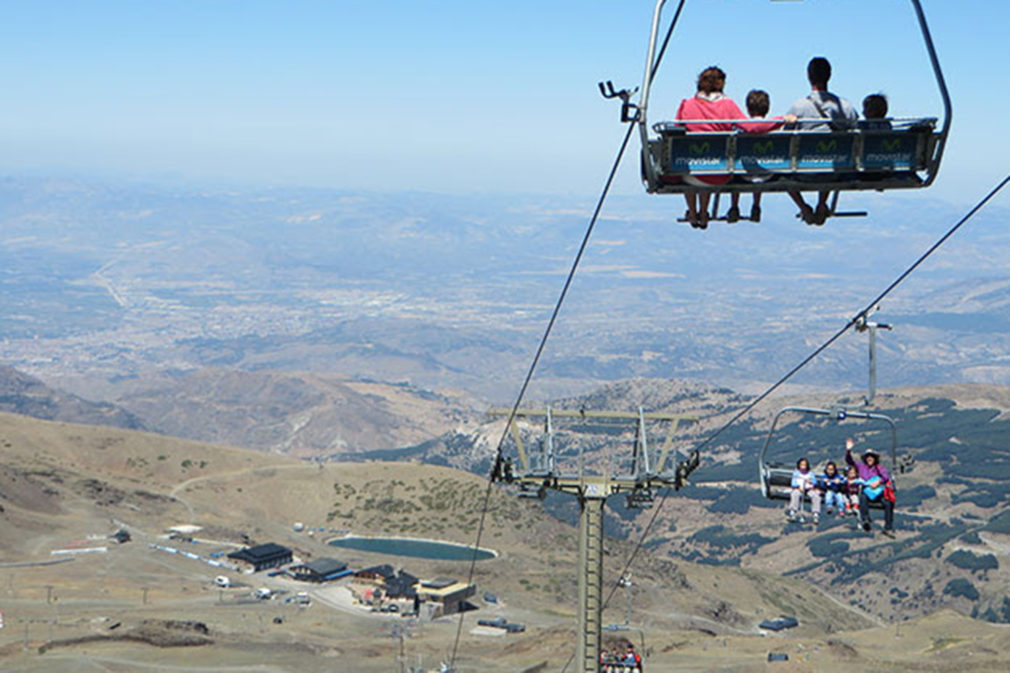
[[830, 160]]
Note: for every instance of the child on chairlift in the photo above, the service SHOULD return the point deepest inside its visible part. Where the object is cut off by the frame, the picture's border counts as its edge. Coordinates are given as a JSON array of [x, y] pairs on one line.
[[875, 113], [833, 484], [804, 483], [853, 486], [758, 104]]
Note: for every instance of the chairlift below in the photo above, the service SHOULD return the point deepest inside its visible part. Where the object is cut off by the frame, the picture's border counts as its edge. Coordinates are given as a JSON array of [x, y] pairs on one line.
[[776, 479]]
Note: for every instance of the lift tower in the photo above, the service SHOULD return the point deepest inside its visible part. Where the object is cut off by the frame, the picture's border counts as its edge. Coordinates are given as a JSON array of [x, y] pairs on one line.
[[538, 471]]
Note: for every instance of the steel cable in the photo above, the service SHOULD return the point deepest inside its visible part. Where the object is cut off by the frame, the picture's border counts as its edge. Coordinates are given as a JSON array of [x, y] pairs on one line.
[[533, 366], [820, 349]]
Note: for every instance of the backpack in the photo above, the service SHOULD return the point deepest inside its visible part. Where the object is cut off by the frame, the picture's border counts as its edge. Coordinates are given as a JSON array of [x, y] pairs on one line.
[[834, 123]]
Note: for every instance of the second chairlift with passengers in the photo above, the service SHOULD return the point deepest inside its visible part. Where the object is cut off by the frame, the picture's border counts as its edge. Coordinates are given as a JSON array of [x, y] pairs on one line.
[[776, 479], [905, 156]]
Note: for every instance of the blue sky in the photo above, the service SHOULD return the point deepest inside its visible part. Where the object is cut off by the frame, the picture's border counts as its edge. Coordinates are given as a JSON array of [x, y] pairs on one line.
[[449, 95]]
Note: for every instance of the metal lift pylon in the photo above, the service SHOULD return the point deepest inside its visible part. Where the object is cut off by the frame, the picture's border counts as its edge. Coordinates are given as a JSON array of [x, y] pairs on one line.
[[537, 473]]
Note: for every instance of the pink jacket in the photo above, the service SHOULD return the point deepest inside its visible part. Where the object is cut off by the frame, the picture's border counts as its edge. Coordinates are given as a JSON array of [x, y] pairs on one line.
[[703, 108]]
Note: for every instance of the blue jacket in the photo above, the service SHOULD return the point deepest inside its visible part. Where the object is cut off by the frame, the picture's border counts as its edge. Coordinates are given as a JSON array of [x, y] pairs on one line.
[[835, 484]]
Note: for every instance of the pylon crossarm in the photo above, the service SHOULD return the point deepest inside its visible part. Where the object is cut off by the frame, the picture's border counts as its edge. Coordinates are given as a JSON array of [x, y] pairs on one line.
[[668, 444]]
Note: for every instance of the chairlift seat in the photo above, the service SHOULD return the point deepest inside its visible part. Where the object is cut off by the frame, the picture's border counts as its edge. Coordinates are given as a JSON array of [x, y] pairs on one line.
[[776, 482], [903, 157]]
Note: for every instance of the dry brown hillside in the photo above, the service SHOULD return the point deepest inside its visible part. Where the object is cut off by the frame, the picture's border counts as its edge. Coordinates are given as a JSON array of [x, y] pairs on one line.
[[63, 486]]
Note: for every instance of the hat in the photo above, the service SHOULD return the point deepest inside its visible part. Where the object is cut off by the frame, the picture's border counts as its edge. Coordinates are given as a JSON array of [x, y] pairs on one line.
[[871, 452]]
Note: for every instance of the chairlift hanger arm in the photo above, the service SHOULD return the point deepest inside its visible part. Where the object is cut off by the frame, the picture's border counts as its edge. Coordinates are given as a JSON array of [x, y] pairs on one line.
[[940, 82], [838, 414]]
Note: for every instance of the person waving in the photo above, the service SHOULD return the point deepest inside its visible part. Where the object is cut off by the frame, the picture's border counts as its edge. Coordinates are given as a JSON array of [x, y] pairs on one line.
[[877, 486]]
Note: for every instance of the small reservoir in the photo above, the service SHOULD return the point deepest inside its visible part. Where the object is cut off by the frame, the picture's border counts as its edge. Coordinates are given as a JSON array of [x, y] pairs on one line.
[[412, 547]]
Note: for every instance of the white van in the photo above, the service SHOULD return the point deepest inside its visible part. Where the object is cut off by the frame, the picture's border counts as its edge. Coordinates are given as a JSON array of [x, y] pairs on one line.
[[222, 581]]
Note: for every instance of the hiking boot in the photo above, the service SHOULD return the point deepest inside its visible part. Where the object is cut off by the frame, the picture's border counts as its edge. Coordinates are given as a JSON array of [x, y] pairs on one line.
[[755, 213], [733, 214], [866, 526]]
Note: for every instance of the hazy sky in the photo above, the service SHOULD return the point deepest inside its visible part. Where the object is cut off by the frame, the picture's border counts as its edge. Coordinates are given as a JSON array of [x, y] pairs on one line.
[[450, 95]]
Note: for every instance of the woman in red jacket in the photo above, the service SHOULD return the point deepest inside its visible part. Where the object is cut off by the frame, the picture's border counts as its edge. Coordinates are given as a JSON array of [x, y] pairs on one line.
[[708, 103]]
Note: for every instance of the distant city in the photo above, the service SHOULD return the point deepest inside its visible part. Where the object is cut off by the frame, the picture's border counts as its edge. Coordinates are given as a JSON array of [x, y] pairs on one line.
[[103, 282]]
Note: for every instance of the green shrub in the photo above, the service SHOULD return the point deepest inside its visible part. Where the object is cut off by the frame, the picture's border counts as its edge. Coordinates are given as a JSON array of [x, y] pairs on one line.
[[969, 561], [824, 546], [999, 523], [739, 501], [961, 587]]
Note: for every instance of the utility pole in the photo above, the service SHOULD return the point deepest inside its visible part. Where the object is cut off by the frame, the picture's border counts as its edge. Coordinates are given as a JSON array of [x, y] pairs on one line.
[[539, 472]]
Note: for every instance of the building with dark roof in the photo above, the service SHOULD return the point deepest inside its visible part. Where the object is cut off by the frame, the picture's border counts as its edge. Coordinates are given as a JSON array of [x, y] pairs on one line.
[[261, 557], [401, 586], [320, 570], [376, 574]]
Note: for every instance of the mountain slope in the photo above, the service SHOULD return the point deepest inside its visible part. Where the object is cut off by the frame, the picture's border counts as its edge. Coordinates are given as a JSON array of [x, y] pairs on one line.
[[296, 414], [953, 531], [27, 395]]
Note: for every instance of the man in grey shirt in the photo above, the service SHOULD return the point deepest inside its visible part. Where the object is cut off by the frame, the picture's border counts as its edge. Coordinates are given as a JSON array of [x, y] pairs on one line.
[[837, 113]]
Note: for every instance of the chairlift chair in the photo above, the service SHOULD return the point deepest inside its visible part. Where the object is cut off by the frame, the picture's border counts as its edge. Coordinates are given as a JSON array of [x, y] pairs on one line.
[[906, 156], [776, 479]]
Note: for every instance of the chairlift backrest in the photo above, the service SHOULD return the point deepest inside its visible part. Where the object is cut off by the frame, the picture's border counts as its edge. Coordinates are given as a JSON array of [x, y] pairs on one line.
[[852, 160]]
